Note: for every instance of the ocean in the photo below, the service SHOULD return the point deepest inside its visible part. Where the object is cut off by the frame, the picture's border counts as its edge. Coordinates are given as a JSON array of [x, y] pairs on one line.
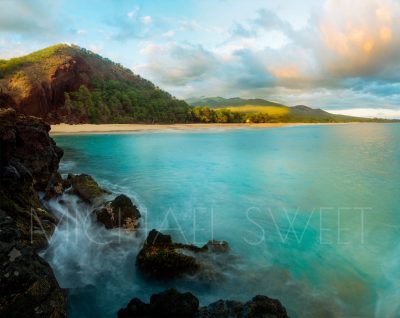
[[311, 214]]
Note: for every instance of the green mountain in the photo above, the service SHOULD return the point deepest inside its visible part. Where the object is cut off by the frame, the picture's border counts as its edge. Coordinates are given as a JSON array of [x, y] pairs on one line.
[[261, 110], [66, 83], [219, 102]]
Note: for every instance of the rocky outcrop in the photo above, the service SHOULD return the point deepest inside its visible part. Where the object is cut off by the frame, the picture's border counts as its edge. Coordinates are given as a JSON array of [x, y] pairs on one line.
[[25, 141], [119, 212], [85, 187], [160, 258], [169, 303], [55, 186], [28, 287], [259, 307], [29, 159], [172, 303], [43, 95]]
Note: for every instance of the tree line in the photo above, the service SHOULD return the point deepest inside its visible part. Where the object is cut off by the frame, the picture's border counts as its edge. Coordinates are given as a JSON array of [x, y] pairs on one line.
[[115, 101], [119, 102]]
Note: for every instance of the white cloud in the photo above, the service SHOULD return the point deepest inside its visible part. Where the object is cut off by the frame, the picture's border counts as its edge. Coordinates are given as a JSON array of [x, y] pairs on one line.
[[369, 112], [168, 34], [174, 64], [133, 13], [147, 19]]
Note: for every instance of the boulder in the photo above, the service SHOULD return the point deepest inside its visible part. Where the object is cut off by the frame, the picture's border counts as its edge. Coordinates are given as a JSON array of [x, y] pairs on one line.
[[119, 212], [172, 303], [85, 187], [158, 239], [169, 303], [161, 258], [135, 308], [259, 307]]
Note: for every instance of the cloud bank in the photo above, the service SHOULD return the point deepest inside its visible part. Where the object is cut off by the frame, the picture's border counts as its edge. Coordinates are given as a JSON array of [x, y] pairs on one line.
[[347, 49], [344, 55]]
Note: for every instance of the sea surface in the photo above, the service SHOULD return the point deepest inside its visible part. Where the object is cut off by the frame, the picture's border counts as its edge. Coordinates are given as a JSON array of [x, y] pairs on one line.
[[311, 213]]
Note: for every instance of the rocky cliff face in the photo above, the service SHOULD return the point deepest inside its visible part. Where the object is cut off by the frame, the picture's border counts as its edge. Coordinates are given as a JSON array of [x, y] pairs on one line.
[[29, 162], [42, 97], [35, 84]]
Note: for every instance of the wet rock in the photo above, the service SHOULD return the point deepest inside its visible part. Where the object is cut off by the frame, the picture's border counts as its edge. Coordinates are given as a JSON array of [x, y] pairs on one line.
[[55, 187], [259, 307], [169, 303], [217, 246], [25, 140], [28, 160], [135, 308], [86, 187], [161, 258], [158, 239], [119, 212], [172, 303], [28, 286]]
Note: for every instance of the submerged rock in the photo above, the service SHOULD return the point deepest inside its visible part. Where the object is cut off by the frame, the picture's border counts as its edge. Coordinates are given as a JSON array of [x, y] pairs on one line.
[[29, 160], [160, 258], [172, 303], [85, 187], [119, 212]]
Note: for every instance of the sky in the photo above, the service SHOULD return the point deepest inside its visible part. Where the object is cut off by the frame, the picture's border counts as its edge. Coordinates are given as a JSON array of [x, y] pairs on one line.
[[339, 55]]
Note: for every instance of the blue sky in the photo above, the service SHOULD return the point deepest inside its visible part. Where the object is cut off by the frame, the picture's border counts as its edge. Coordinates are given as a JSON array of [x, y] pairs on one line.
[[339, 55]]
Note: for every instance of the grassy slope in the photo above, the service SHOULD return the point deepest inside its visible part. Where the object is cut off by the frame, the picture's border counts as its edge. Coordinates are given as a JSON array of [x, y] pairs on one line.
[[271, 110], [281, 112], [41, 64], [131, 93], [220, 102]]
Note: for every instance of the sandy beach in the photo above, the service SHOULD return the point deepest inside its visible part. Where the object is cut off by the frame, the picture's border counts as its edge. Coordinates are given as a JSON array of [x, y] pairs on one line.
[[66, 129]]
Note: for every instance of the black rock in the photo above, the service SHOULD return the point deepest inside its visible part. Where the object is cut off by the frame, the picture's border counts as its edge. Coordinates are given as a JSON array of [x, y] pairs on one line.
[[172, 303], [28, 160], [85, 187], [119, 212], [169, 303]]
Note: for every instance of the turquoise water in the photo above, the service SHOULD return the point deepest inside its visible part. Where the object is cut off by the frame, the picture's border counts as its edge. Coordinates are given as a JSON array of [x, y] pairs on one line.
[[312, 212]]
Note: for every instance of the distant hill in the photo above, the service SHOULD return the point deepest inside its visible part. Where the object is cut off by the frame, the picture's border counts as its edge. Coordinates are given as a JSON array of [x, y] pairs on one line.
[[66, 83], [254, 108], [219, 102]]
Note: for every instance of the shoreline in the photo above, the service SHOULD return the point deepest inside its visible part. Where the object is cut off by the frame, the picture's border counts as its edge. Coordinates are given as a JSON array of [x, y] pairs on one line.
[[80, 129]]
